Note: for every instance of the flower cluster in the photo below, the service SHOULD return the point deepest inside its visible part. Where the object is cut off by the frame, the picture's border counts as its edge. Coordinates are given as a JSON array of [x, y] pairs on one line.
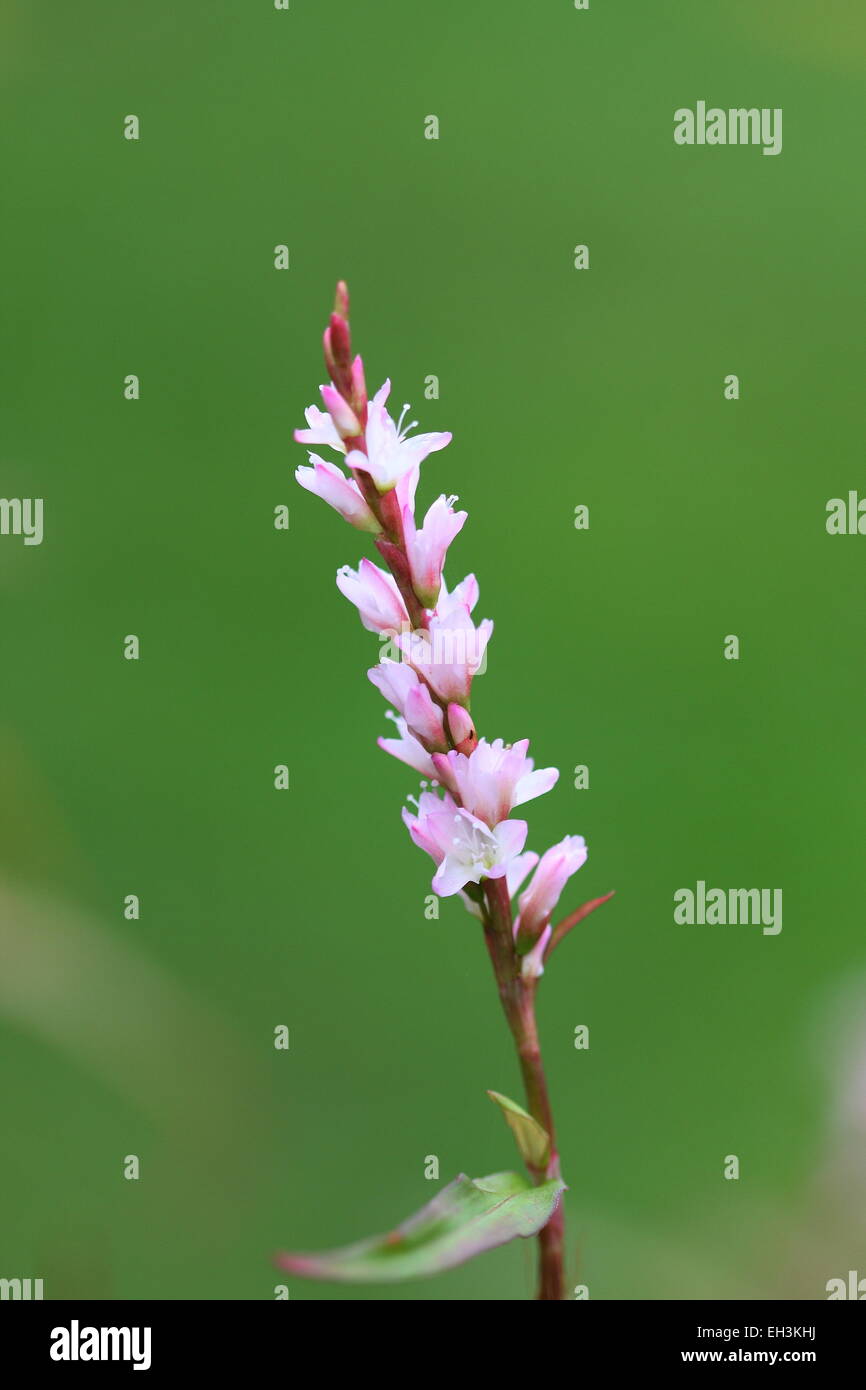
[[463, 816]]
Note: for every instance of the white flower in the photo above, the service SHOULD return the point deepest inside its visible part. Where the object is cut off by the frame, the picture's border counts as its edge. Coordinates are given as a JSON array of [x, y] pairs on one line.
[[464, 848]]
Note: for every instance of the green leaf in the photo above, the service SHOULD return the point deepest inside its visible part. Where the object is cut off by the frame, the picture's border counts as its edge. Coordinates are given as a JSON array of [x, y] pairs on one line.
[[466, 1218], [533, 1141]]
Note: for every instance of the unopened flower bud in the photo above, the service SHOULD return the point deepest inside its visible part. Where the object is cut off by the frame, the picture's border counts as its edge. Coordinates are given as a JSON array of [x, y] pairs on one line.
[[553, 872], [359, 390], [329, 354], [337, 344], [341, 299], [462, 729], [532, 965], [341, 343], [344, 418]]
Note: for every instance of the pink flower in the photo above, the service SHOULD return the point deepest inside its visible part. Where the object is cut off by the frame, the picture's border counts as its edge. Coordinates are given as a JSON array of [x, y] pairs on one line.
[[330, 483], [428, 804], [449, 652], [359, 387], [427, 547], [375, 595], [518, 869], [464, 848], [408, 750], [464, 595], [346, 422], [406, 487], [394, 679], [556, 868], [412, 699], [321, 429], [494, 778], [532, 964], [390, 454]]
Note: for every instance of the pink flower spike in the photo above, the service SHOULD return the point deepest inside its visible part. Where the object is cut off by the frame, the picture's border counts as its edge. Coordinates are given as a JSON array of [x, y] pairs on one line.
[[555, 869], [428, 546], [375, 595], [329, 482], [494, 778], [345, 420], [321, 429]]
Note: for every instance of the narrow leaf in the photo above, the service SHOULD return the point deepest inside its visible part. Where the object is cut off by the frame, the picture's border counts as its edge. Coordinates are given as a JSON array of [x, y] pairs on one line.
[[564, 927], [466, 1218], [533, 1141]]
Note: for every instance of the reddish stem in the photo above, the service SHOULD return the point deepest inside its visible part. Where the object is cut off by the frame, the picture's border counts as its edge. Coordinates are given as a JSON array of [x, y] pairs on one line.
[[518, 1002]]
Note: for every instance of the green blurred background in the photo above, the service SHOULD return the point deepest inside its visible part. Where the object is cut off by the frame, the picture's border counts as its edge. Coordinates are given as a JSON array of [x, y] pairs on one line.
[[306, 907]]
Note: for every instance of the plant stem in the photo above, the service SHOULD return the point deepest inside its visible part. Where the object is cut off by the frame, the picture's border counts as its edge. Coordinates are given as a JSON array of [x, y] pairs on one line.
[[518, 1002]]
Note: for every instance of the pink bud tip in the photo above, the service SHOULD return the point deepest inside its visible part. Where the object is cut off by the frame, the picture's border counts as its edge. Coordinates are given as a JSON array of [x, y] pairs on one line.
[[341, 299], [462, 729]]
